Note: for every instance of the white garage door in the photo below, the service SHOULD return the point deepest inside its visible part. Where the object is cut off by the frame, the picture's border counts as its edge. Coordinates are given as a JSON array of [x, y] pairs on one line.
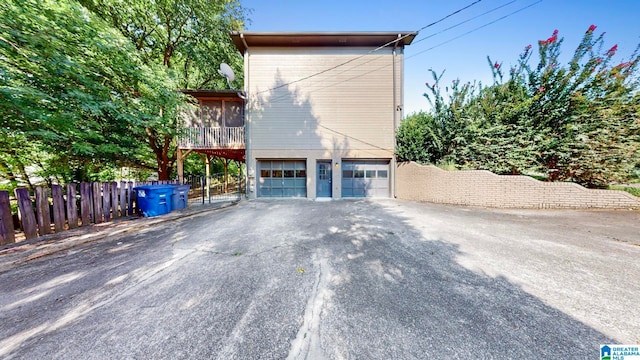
[[365, 178], [282, 178]]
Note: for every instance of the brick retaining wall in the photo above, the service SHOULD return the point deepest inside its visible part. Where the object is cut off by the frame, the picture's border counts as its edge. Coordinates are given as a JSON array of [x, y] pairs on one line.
[[486, 189]]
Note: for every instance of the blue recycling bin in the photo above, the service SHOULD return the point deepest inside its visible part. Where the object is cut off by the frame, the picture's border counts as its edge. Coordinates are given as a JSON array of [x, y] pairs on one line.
[[180, 198], [154, 200]]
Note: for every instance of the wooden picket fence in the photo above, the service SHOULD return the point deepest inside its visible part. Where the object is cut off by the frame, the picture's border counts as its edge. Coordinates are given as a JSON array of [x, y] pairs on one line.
[[66, 207]]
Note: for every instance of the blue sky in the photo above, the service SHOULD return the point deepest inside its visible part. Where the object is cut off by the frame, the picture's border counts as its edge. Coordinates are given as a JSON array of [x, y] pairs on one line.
[[463, 58]]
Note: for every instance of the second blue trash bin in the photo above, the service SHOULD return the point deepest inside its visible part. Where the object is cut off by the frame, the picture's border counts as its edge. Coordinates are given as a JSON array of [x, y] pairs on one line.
[[180, 198], [154, 200]]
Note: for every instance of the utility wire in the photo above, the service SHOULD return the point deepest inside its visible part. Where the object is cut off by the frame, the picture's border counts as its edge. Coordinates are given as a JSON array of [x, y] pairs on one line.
[[463, 22], [336, 66], [356, 139], [448, 16], [275, 99], [474, 30], [414, 55], [314, 88], [371, 51], [278, 99], [324, 86]]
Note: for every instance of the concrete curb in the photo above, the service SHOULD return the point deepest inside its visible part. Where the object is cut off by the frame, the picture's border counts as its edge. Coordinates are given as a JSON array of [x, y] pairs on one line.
[[13, 255]]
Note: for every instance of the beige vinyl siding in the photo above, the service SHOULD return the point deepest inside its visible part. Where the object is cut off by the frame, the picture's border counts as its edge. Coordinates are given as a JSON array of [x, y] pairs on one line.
[[350, 107]]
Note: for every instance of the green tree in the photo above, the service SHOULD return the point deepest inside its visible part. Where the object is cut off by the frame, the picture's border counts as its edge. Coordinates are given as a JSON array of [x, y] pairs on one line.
[[73, 90], [577, 122], [189, 37], [419, 139]]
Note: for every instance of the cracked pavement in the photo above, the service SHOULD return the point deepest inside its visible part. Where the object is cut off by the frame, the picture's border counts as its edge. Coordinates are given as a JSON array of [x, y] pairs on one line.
[[345, 279]]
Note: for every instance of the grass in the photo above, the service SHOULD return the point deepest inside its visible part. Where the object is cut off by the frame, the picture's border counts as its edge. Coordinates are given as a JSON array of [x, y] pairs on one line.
[[447, 165], [631, 190]]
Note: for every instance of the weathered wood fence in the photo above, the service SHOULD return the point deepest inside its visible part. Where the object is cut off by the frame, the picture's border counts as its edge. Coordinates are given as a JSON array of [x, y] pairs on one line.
[[65, 207]]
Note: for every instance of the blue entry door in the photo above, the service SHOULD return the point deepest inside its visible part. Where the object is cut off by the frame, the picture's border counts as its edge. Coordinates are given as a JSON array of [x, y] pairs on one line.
[[323, 179]]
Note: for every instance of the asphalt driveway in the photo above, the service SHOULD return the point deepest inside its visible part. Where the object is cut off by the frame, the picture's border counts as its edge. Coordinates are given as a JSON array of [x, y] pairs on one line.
[[331, 280]]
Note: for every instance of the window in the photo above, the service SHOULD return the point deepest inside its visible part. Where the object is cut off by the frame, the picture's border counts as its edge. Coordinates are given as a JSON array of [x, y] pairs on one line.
[[347, 174], [219, 113], [233, 114], [382, 174], [284, 178], [211, 113], [370, 174], [358, 174], [190, 116]]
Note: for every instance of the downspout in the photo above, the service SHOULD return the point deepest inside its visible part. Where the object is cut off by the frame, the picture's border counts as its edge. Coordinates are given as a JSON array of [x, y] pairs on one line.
[[395, 117], [247, 117]]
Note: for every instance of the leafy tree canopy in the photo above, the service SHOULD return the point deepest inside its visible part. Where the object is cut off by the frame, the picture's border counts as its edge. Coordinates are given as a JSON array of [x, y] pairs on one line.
[[73, 87], [189, 37], [574, 122], [91, 85]]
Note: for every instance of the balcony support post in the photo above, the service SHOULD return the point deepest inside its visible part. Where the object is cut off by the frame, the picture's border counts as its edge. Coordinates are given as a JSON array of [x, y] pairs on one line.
[[180, 156], [207, 171]]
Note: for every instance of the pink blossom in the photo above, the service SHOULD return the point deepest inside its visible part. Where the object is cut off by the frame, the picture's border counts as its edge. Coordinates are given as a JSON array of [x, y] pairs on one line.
[[528, 47], [541, 89], [555, 32], [591, 28], [613, 50], [496, 65], [624, 65]]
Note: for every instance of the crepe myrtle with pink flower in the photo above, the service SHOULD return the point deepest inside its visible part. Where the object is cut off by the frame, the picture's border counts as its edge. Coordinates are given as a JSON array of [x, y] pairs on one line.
[[577, 120]]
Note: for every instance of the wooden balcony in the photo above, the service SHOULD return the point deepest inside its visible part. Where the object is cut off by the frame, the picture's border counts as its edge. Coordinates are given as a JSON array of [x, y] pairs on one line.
[[212, 138]]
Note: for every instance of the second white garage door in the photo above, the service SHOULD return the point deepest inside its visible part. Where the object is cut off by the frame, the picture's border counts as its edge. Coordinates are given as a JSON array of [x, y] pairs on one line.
[[365, 178]]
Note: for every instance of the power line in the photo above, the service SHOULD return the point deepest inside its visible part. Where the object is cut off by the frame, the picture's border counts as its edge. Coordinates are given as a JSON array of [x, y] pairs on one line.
[[336, 66], [463, 22], [371, 51], [310, 89], [448, 16], [285, 97], [414, 55], [474, 30], [356, 139]]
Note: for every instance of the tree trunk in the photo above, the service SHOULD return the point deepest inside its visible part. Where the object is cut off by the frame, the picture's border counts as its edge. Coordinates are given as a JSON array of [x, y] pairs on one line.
[[225, 164], [160, 144]]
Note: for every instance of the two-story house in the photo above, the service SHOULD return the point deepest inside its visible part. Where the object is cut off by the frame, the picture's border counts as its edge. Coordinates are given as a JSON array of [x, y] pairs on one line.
[[320, 112]]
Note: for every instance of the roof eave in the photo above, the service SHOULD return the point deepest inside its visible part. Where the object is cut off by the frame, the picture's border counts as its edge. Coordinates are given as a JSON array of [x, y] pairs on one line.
[[244, 40]]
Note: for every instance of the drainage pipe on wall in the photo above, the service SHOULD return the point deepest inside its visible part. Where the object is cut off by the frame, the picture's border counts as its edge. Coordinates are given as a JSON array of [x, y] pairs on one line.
[[395, 117], [247, 120]]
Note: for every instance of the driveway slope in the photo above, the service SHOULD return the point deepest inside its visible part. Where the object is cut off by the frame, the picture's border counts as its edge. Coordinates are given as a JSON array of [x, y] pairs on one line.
[[332, 280]]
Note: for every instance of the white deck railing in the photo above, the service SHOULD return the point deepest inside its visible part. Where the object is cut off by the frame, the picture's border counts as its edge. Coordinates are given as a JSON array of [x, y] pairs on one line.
[[211, 137]]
